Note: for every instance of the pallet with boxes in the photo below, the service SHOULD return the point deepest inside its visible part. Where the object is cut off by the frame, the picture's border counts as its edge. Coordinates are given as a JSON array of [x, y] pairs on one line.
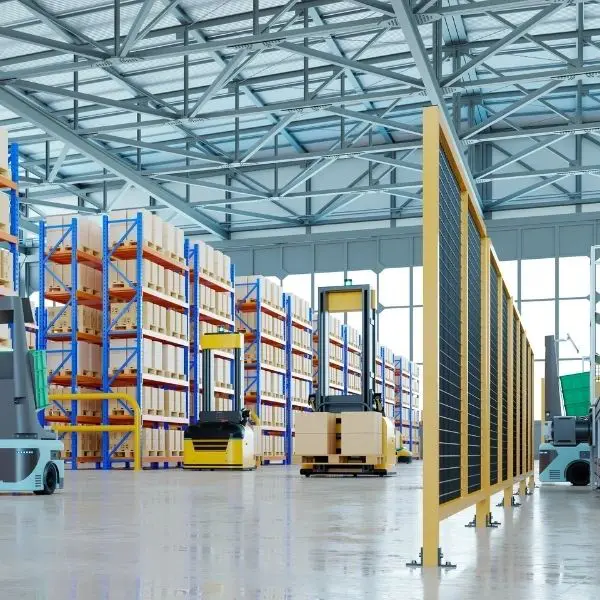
[[71, 323], [212, 307], [146, 330]]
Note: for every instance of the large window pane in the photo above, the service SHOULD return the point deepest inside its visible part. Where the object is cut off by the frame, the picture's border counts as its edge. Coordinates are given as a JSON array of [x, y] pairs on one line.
[[538, 374], [363, 277], [298, 285], [568, 367], [326, 280], [510, 273], [538, 320], [394, 330], [417, 335], [574, 321], [537, 279], [417, 286], [394, 287], [573, 276]]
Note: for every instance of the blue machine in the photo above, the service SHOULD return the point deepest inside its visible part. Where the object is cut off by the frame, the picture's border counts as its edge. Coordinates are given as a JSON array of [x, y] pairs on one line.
[[30, 456], [565, 451]]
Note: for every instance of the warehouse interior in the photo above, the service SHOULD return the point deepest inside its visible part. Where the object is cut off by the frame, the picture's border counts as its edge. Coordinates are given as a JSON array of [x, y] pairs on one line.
[[263, 239]]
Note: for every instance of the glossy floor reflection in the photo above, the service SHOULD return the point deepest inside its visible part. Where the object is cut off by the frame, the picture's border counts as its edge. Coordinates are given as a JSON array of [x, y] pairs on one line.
[[274, 535]]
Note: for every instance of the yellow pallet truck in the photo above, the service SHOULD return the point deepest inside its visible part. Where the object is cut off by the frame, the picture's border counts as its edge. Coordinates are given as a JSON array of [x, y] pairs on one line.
[[221, 440]]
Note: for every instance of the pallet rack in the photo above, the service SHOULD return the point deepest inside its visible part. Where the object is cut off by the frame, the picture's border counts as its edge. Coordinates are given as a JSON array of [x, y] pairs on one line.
[[340, 363], [132, 246], [251, 310], [385, 380], [199, 314], [67, 373], [9, 232], [407, 406], [296, 375]]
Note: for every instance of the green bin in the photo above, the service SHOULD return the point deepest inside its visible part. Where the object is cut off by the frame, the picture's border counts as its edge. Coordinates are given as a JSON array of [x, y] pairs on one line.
[[576, 393], [40, 378]]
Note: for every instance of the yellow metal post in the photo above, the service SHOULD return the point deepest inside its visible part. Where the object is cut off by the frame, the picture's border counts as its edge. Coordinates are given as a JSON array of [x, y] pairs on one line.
[[500, 380], [135, 428], [517, 371], [431, 336], [509, 374], [464, 344], [524, 404], [483, 507]]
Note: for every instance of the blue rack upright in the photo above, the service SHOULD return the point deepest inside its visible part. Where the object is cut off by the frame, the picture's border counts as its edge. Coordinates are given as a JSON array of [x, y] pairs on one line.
[[296, 376], [250, 301], [128, 342], [201, 314], [65, 343]]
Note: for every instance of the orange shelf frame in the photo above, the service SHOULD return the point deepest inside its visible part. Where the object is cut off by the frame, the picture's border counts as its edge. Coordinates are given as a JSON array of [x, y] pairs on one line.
[[81, 337], [151, 335], [154, 296], [128, 251], [130, 379], [250, 306], [86, 381], [7, 182], [84, 298], [63, 257], [210, 282]]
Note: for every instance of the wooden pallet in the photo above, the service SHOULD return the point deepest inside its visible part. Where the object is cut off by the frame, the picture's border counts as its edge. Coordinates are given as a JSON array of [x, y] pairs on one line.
[[338, 459], [90, 251], [156, 453]]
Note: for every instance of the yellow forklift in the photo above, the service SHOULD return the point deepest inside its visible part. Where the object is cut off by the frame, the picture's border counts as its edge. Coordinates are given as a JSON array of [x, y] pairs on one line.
[[221, 440], [360, 440]]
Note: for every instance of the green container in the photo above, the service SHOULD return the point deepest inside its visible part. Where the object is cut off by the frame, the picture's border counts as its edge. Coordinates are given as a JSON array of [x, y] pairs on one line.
[[40, 378], [576, 393]]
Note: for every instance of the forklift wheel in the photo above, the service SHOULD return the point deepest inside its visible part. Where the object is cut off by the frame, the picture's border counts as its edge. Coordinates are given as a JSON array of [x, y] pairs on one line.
[[50, 481]]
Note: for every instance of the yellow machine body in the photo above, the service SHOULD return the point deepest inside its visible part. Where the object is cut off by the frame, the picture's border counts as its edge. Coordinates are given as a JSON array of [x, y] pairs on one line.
[[218, 448]]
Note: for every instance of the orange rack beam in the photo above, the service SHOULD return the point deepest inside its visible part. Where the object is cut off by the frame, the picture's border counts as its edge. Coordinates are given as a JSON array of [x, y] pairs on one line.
[[81, 337], [129, 251], [86, 381], [212, 283], [64, 257], [63, 297], [127, 293], [7, 182], [129, 380], [250, 306]]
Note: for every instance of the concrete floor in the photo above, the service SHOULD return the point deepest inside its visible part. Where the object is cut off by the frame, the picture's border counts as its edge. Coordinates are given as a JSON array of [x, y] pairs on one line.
[[275, 535]]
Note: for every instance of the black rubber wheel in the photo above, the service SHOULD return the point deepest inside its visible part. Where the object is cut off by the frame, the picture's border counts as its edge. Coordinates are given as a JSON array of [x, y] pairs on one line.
[[306, 474], [578, 474], [50, 481]]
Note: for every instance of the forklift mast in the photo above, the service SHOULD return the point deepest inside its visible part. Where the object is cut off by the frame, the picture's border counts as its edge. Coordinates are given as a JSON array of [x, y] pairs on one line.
[[18, 415], [349, 298]]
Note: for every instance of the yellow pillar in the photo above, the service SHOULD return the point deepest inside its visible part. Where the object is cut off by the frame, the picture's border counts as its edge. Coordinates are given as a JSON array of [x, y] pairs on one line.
[[483, 507], [431, 325], [523, 487], [508, 493]]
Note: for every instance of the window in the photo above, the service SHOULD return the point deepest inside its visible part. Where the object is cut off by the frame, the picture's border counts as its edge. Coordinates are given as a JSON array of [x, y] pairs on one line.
[[417, 335], [298, 285], [539, 367], [538, 320], [574, 321], [510, 274], [417, 273], [573, 276], [363, 277], [537, 279], [394, 330], [568, 367], [394, 287], [326, 280]]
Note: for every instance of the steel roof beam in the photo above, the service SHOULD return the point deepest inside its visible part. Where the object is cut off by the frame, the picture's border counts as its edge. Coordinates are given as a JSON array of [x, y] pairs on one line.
[[576, 170], [132, 35], [512, 108], [495, 47], [525, 191], [484, 6], [20, 106]]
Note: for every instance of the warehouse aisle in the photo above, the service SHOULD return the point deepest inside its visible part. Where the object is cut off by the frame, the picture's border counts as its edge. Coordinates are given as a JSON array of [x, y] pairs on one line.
[[275, 535]]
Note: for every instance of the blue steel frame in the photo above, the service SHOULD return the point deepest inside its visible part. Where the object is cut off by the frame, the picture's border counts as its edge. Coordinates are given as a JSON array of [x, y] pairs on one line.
[[13, 163], [399, 406], [290, 375], [253, 292], [193, 285], [69, 357], [345, 359], [133, 225], [403, 364]]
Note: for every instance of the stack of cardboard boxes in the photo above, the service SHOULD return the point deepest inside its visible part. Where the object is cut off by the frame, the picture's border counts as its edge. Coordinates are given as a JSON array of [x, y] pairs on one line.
[[271, 294], [214, 263], [273, 445], [315, 434], [89, 320]]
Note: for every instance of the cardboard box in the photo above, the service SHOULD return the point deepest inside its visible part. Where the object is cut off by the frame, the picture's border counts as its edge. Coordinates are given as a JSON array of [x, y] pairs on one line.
[[4, 150], [315, 423], [361, 444], [361, 422]]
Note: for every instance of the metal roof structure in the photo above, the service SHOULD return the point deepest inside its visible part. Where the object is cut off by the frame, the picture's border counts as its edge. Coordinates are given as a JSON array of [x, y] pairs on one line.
[[238, 115]]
